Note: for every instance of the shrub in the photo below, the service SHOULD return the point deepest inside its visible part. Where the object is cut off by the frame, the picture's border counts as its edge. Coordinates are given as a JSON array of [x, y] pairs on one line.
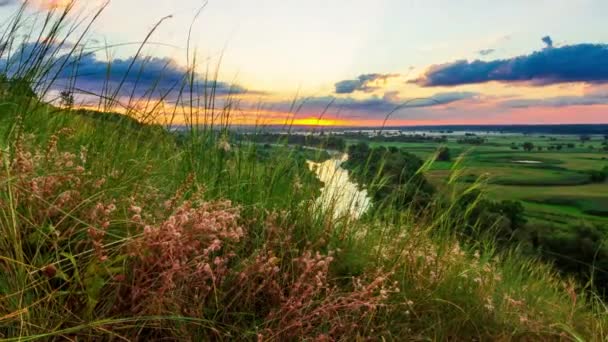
[[598, 176], [443, 154], [528, 146], [471, 140], [390, 175]]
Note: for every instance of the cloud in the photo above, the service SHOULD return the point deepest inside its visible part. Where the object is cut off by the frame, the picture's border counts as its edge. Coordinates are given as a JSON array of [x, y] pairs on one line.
[[366, 83], [163, 74], [558, 101], [142, 77], [571, 63], [449, 97], [375, 106], [8, 2], [39, 4], [486, 52], [547, 40]]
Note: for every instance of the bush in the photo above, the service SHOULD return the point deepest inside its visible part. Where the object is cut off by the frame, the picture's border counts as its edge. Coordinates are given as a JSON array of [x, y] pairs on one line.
[[598, 176], [471, 140], [390, 175], [443, 154], [580, 250], [498, 219]]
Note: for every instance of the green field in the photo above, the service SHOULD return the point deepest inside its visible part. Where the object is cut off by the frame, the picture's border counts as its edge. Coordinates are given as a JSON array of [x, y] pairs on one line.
[[554, 186]]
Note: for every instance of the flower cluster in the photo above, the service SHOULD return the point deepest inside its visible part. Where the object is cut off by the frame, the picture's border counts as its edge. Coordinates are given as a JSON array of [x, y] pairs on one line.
[[50, 183], [313, 305], [185, 256], [100, 222]]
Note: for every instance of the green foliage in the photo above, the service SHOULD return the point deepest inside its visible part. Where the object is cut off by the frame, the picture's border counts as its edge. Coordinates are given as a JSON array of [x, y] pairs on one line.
[[391, 175], [443, 154], [528, 146], [113, 229], [318, 141], [599, 176], [398, 138], [500, 220], [471, 140], [580, 250], [16, 89]]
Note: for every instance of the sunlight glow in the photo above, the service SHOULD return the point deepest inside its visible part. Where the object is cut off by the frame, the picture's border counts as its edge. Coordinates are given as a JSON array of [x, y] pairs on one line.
[[51, 4]]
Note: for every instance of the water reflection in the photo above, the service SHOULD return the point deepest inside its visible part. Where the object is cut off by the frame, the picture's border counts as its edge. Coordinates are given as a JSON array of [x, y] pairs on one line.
[[339, 194]]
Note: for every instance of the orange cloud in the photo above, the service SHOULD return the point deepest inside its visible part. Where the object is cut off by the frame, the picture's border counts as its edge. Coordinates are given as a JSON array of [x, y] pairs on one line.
[[51, 4]]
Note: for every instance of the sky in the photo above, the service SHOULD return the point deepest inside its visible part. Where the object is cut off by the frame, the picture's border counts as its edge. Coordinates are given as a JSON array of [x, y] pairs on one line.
[[362, 63]]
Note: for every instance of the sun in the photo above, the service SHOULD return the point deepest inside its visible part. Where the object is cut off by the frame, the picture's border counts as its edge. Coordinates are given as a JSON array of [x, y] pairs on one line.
[[312, 121]]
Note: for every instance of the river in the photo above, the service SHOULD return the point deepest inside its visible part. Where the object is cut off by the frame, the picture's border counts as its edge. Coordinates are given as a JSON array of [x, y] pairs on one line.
[[339, 194]]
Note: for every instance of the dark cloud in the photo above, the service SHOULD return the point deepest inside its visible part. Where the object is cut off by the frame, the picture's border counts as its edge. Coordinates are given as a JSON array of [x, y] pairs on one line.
[[449, 97], [377, 105], [144, 76], [547, 40], [140, 75], [571, 63], [486, 52], [363, 83]]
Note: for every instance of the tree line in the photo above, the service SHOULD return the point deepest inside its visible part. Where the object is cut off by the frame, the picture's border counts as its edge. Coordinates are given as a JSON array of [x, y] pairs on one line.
[[392, 177]]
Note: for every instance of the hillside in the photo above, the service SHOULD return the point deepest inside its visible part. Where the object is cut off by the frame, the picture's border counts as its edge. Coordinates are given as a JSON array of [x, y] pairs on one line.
[[119, 231], [115, 228]]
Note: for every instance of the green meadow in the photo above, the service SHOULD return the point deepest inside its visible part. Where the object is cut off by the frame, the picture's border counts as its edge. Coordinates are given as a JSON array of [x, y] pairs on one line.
[[554, 186]]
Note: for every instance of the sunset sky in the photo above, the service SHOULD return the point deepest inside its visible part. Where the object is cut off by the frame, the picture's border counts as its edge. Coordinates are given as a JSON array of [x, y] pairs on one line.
[[476, 61]]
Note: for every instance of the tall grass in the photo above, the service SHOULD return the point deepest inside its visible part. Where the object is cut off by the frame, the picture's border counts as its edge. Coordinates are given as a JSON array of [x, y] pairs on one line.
[[112, 229]]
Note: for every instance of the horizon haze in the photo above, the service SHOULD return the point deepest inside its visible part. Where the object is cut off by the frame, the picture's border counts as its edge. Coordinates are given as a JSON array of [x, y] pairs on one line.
[[351, 63]]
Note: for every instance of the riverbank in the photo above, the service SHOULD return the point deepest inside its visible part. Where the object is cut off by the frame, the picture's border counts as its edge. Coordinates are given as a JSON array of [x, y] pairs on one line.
[[339, 193]]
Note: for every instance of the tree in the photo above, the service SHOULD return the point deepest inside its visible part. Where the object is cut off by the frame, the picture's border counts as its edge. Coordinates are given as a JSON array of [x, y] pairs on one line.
[[358, 152], [443, 154], [391, 175], [472, 140], [514, 211], [584, 138], [599, 176], [66, 99], [528, 146], [501, 220]]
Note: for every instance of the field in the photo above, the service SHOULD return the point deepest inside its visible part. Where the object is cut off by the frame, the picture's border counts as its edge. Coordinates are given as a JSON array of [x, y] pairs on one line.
[[554, 186]]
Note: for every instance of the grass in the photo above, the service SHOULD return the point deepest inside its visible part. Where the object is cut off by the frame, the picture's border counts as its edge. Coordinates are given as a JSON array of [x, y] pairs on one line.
[[119, 231], [559, 175]]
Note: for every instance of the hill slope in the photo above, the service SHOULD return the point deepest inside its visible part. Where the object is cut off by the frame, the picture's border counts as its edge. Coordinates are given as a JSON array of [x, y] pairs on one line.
[[123, 231]]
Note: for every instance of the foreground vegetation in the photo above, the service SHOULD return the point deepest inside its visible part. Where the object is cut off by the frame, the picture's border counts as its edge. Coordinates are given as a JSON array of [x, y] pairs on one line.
[[104, 235], [112, 229]]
